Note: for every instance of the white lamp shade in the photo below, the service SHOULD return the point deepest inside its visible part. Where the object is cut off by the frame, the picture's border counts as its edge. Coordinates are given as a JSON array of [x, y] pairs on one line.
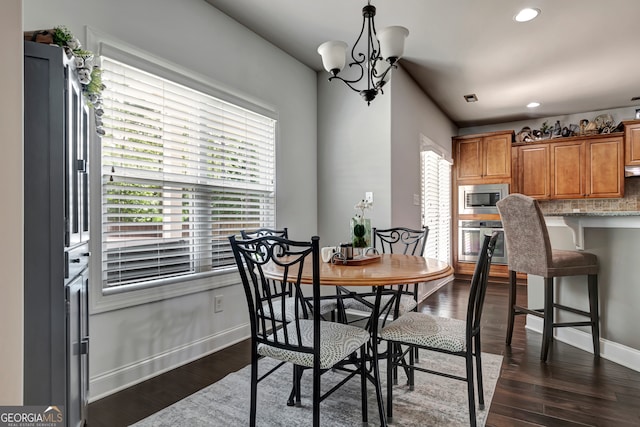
[[334, 55], [391, 41]]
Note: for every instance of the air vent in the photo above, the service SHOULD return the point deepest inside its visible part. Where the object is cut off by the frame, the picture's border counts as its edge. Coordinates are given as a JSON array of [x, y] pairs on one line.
[[471, 98]]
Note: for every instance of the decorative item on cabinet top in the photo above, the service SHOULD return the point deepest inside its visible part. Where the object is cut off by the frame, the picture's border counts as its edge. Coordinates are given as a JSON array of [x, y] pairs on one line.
[[89, 75], [601, 124]]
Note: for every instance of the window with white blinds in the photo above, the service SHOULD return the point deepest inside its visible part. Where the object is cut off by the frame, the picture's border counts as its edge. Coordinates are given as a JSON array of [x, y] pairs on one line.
[[181, 171], [436, 201]]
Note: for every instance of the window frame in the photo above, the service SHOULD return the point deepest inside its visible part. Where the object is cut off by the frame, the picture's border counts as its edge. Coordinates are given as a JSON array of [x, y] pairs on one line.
[[428, 145], [102, 300]]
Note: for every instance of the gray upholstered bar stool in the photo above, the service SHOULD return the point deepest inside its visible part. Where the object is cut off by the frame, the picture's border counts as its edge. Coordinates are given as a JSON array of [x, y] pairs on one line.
[[529, 251]]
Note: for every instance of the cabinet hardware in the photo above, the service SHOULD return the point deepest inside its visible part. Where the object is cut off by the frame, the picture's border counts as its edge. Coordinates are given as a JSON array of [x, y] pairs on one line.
[[84, 346]]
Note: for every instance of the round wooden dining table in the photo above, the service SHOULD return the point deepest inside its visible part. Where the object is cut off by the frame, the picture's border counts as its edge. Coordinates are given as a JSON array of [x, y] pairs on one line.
[[386, 269], [378, 272]]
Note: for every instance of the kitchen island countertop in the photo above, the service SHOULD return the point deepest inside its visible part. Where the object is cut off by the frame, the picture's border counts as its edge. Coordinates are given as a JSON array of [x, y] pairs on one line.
[[593, 214]]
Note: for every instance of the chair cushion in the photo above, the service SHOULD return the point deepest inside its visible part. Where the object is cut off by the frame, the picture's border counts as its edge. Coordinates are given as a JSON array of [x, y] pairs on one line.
[[426, 330], [572, 263], [407, 303], [326, 306], [337, 341]]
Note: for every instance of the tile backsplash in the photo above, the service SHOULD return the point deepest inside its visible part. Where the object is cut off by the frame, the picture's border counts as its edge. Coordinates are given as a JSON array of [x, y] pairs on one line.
[[630, 202]]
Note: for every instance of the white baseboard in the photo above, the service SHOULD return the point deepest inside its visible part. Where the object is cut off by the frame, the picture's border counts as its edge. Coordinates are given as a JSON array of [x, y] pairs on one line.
[[126, 376], [427, 288], [618, 353]]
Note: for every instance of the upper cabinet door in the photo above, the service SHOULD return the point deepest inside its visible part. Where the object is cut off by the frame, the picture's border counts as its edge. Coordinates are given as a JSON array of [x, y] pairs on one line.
[[483, 158], [469, 159], [497, 156], [632, 143], [567, 170], [605, 167], [533, 171]]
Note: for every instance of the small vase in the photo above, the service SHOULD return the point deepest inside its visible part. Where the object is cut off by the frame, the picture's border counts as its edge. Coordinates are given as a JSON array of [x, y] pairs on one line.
[[360, 232]]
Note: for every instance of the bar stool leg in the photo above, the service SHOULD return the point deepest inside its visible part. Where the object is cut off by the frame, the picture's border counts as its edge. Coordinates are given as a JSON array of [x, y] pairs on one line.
[[595, 316], [512, 302], [547, 328]]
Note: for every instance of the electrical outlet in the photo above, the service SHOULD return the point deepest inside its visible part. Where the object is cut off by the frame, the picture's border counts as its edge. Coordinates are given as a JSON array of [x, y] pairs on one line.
[[416, 200], [217, 304], [368, 196]]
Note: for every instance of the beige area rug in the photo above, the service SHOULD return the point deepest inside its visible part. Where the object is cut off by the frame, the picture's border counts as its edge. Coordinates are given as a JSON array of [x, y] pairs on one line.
[[436, 401]]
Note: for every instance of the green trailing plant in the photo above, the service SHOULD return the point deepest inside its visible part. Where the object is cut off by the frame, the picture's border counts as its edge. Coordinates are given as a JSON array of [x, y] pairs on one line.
[[62, 35], [95, 86], [89, 75]]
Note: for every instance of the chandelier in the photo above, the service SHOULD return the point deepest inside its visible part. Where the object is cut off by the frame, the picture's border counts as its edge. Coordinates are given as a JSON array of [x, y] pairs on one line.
[[383, 50]]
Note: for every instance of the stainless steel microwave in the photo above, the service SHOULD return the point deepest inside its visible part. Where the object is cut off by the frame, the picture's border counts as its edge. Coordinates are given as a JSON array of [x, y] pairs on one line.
[[481, 198]]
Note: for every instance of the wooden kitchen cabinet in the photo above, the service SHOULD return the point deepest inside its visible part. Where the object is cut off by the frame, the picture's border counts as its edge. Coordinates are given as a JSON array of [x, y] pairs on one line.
[[483, 158], [571, 168], [567, 170], [533, 171], [632, 142], [605, 167]]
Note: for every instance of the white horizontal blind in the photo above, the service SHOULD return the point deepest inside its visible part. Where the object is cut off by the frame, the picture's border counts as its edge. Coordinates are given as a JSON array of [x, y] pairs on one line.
[[436, 210], [181, 171]]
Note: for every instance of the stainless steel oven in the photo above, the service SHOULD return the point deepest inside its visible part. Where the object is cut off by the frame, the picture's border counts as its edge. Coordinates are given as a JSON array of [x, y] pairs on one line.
[[470, 236], [481, 198]]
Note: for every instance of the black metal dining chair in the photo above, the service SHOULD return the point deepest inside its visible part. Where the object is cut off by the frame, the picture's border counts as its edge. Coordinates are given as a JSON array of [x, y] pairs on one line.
[[327, 306], [445, 335], [304, 340], [399, 240]]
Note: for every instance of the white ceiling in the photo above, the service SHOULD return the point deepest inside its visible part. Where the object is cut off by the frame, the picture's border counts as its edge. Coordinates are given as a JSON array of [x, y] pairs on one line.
[[577, 56]]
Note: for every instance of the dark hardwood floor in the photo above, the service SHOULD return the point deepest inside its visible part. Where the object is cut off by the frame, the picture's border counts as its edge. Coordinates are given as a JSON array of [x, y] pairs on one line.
[[571, 389]]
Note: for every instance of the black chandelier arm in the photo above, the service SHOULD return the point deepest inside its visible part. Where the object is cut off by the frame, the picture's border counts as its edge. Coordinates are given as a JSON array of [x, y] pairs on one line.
[[368, 59], [349, 83], [346, 81], [382, 76], [355, 45], [377, 85]]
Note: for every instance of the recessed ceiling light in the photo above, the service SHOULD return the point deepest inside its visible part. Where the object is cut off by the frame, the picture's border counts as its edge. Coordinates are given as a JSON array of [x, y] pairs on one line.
[[471, 97], [526, 15], [533, 104]]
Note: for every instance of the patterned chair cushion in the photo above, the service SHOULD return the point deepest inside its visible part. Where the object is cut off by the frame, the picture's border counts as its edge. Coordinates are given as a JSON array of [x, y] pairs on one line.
[[326, 306], [407, 303], [337, 341], [426, 330]]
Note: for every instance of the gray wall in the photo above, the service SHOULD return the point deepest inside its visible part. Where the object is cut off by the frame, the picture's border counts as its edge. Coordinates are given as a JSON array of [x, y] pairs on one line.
[[11, 187], [374, 148], [353, 157], [617, 282], [413, 115], [167, 329]]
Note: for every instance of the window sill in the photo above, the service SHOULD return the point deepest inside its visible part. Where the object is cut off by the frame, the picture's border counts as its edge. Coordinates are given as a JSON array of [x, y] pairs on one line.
[[101, 303]]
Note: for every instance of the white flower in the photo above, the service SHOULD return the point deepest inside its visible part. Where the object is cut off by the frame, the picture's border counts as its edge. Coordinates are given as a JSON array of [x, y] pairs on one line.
[[74, 43], [363, 205], [84, 76]]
